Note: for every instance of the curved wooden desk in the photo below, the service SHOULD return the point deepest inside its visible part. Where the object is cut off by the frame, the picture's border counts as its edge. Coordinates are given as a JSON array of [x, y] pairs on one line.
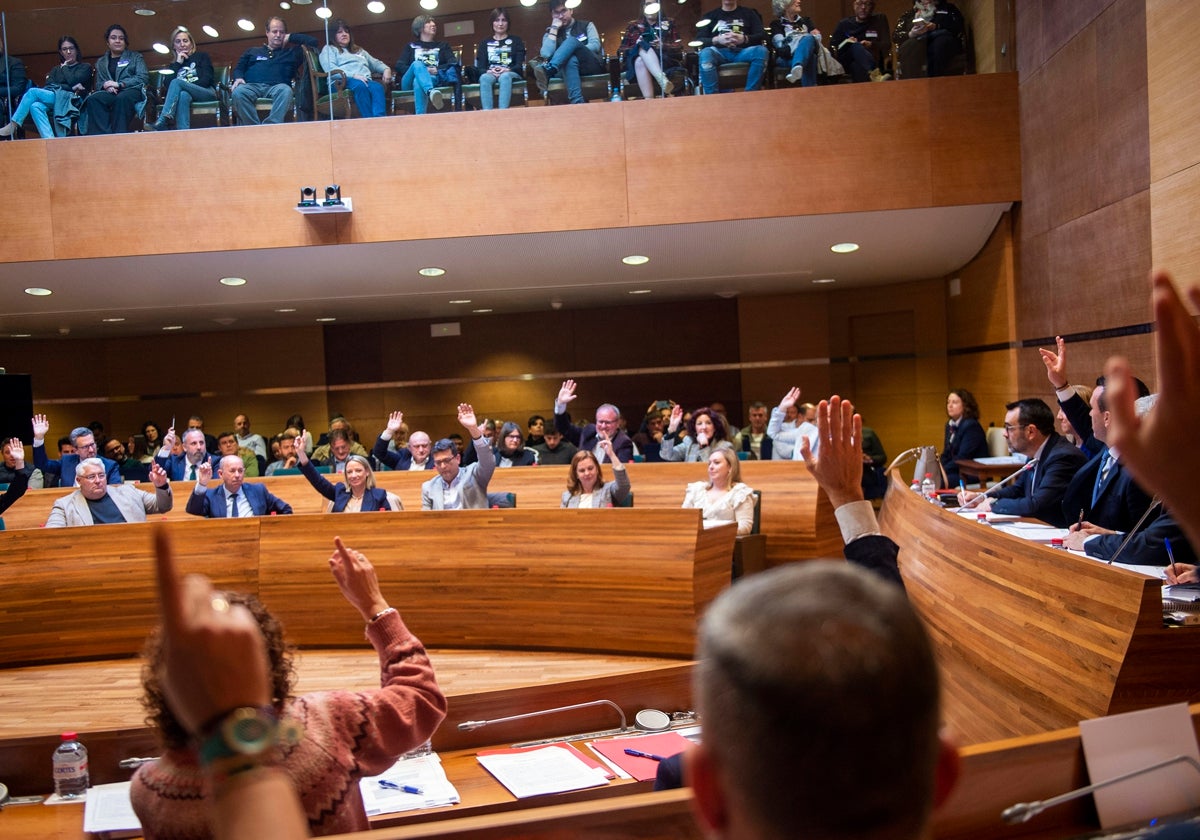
[[1030, 638]]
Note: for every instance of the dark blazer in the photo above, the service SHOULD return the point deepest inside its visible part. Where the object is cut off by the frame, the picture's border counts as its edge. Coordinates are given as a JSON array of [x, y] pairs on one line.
[[67, 467], [1039, 492], [1120, 504], [177, 465], [967, 441], [877, 554], [1080, 415], [1147, 547], [401, 459], [211, 503], [585, 438], [16, 489], [339, 494]]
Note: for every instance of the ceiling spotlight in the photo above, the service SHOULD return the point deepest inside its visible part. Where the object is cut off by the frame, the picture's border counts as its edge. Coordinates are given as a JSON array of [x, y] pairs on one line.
[[572, 4], [288, 309], [696, 43], [302, 2], [651, 8], [635, 259], [245, 25], [640, 292], [481, 311], [325, 320], [824, 281], [173, 327], [844, 248], [375, 7], [233, 281], [285, 5], [429, 5], [528, 2], [160, 48], [211, 31], [324, 13], [38, 291], [20, 335], [431, 271], [144, 12], [113, 320], [703, 22], [461, 300]]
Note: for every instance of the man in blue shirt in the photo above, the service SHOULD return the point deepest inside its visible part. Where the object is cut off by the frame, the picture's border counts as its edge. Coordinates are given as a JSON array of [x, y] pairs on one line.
[[267, 72]]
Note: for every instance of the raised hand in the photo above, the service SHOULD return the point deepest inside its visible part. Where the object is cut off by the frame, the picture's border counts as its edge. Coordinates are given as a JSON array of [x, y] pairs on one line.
[[676, 418], [790, 398], [567, 392], [300, 452], [466, 416], [606, 445], [395, 421], [839, 468], [158, 476], [169, 439], [1056, 363], [204, 472], [40, 427], [356, 578]]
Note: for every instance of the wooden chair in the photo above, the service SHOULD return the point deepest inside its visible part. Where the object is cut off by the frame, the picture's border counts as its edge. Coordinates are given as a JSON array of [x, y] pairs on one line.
[[750, 550], [596, 86], [471, 101], [214, 107], [684, 85], [402, 100], [330, 96]]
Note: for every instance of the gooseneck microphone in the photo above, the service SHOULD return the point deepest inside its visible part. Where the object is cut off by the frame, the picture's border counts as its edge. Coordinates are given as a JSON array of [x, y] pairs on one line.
[[1027, 466]]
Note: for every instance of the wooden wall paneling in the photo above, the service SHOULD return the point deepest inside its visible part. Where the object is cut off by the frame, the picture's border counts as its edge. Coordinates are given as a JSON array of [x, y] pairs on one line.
[[992, 378], [981, 314], [272, 162], [1173, 100], [1086, 359], [972, 149], [1174, 205], [1040, 134], [1121, 156], [27, 213]]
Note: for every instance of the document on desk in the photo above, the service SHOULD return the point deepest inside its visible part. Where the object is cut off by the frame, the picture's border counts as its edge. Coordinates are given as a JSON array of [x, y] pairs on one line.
[[386, 794], [550, 769], [108, 811], [1033, 531]]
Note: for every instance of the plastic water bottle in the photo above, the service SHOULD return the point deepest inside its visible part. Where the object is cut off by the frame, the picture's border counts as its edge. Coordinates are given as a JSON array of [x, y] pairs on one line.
[[915, 486], [70, 767], [929, 487]]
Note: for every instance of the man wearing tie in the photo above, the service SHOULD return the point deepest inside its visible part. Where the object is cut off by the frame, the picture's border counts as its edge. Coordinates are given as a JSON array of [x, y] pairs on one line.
[[1038, 491], [185, 466], [231, 498]]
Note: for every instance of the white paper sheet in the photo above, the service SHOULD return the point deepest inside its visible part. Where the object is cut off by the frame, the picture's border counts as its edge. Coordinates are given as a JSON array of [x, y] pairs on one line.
[[537, 772]]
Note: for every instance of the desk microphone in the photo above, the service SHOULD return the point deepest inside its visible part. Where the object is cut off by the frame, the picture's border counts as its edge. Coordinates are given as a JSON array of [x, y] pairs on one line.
[[1028, 466], [1023, 811], [469, 725]]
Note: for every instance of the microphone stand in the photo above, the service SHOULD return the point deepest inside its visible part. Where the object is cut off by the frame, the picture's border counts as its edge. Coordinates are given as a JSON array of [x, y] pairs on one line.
[[469, 725], [1028, 466]]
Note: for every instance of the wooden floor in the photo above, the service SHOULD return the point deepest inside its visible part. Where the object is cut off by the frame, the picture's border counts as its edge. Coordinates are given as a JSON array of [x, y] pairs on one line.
[[91, 696]]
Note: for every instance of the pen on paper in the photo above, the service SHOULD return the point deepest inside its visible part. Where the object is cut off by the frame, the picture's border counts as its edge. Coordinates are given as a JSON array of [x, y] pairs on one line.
[[384, 783], [962, 493], [1079, 527], [640, 754], [1170, 556]]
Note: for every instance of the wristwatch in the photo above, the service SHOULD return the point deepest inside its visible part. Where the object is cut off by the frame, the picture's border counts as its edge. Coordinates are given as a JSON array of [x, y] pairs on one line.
[[245, 731]]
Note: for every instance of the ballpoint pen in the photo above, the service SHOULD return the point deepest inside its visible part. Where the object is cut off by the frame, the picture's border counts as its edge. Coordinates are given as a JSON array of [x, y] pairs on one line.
[[1079, 527], [962, 493], [640, 754], [384, 783], [1170, 556]]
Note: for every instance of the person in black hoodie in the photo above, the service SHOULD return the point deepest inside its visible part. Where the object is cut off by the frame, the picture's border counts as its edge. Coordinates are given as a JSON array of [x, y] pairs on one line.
[[193, 79]]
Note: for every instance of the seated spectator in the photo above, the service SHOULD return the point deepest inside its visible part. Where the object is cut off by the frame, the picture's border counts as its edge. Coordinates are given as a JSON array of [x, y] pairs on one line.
[[652, 45], [706, 433], [863, 43], [511, 450], [457, 440], [245, 437], [929, 37], [185, 466], [358, 494], [13, 79], [470, 455], [227, 444], [192, 79], [15, 474], [874, 458], [340, 447], [733, 33], [571, 49], [414, 456], [649, 437], [456, 487], [554, 449], [55, 107], [197, 422], [287, 452], [608, 418], [358, 65], [586, 487], [98, 503], [723, 498], [328, 739], [754, 439], [121, 77], [131, 469], [797, 42], [500, 61], [82, 445], [296, 424], [965, 438], [425, 63], [231, 498], [267, 72], [787, 426], [537, 430], [1062, 423], [153, 438], [1038, 491]]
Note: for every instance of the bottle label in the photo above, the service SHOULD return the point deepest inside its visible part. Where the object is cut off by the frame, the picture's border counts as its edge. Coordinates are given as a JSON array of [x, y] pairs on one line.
[[73, 770]]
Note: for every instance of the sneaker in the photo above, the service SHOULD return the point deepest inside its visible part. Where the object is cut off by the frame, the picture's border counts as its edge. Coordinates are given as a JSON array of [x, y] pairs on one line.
[[876, 76], [9, 130], [795, 73], [667, 86], [152, 127], [436, 99], [542, 76]]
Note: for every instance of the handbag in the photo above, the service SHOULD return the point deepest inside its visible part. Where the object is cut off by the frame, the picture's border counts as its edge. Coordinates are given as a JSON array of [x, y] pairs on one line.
[[827, 65]]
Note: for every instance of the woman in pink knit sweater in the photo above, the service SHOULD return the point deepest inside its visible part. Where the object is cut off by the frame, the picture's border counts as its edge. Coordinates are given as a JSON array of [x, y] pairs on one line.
[[343, 735]]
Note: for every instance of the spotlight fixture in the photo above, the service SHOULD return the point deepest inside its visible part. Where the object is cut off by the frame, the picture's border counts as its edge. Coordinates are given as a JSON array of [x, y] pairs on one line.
[[844, 248], [112, 320], [572, 4], [651, 8], [173, 328], [824, 281], [38, 291], [286, 309], [703, 22], [233, 281], [326, 320], [431, 271], [324, 13], [144, 12], [160, 48], [333, 195], [376, 8], [528, 2], [429, 5], [246, 25], [635, 259], [461, 300], [639, 291], [285, 5], [308, 197], [211, 31]]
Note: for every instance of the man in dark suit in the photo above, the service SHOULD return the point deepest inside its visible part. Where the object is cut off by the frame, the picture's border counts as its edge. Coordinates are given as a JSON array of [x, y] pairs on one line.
[[1038, 491], [414, 456], [85, 447], [608, 419], [232, 498], [186, 465]]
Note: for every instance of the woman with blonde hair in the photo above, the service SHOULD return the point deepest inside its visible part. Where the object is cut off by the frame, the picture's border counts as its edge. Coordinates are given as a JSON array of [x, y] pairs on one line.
[[358, 495], [192, 79], [723, 498]]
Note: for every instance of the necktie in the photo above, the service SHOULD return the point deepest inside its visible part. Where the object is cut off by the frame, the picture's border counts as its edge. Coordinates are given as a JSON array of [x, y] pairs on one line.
[[233, 505], [192, 473], [1106, 465]]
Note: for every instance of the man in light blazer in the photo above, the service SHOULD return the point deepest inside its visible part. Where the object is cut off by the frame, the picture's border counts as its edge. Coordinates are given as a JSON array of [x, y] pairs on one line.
[[97, 502], [456, 487], [232, 498]]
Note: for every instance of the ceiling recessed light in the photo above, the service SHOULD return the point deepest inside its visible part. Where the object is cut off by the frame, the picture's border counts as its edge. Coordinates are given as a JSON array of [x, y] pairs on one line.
[[21, 335], [635, 259], [844, 248], [429, 5], [823, 280], [246, 25], [431, 271], [144, 12], [651, 8], [285, 310], [640, 292], [160, 48], [325, 320], [324, 13], [461, 300], [211, 31], [113, 320], [233, 281], [572, 4], [480, 311], [174, 327], [302, 2], [38, 291], [703, 22], [375, 7], [285, 5]]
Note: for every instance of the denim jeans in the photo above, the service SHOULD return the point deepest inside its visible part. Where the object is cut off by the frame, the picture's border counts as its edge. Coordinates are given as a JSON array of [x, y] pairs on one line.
[[368, 96], [40, 103], [247, 94], [571, 60], [805, 55], [178, 103], [858, 62], [504, 83], [713, 57], [420, 81]]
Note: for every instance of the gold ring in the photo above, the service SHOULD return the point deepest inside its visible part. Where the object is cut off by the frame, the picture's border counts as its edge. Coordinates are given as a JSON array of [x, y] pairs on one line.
[[219, 604]]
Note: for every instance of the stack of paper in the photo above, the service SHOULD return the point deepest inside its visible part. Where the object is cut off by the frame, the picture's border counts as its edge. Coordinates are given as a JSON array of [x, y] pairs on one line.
[[385, 794], [541, 770], [1035, 531], [109, 813]]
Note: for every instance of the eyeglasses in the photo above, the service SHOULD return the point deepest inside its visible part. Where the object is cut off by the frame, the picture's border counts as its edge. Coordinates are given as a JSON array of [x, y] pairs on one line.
[[442, 462], [98, 476], [1008, 428]]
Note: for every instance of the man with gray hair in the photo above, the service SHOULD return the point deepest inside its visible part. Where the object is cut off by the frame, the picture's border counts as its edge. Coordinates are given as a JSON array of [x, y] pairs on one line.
[[818, 691], [414, 456], [96, 502], [608, 418], [186, 465], [65, 470]]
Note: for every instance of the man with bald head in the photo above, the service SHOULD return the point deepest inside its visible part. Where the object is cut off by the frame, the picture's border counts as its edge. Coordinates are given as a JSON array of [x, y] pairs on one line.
[[232, 498], [96, 502], [248, 439], [413, 457], [608, 419]]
